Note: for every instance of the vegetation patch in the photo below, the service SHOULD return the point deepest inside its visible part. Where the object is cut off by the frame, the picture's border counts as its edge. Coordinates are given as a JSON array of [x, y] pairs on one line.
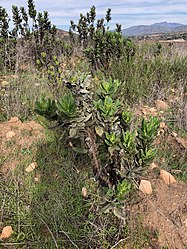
[[114, 117]]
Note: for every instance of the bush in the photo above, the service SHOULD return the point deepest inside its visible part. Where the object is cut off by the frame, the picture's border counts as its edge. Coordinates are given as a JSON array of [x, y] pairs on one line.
[[98, 125], [98, 42]]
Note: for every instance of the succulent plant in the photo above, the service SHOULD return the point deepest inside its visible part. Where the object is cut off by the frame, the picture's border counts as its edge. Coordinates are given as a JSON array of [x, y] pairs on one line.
[[108, 107], [46, 107], [66, 106]]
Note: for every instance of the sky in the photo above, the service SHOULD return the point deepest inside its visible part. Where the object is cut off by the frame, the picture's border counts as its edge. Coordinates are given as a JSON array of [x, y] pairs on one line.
[[125, 12]]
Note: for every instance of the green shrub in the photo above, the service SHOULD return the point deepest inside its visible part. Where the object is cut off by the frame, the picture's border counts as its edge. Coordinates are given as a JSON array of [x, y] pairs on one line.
[[98, 43], [99, 126]]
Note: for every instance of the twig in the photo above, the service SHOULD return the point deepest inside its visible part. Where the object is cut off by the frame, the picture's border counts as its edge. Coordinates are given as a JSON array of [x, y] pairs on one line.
[[121, 240], [69, 238], [53, 237]]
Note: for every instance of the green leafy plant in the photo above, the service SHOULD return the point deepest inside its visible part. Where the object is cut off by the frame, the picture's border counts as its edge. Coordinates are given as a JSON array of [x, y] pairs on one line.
[[128, 141], [112, 139], [102, 129], [148, 130], [108, 107], [46, 107], [109, 87], [99, 44], [66, 106], [123, 188], [126, 118]]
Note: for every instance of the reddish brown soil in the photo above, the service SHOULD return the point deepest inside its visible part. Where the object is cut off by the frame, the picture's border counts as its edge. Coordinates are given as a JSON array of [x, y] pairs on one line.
[[165, 212], [15, 149]]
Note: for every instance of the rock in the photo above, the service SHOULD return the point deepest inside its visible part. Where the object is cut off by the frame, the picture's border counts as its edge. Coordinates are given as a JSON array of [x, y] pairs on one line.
[[31, 167], [14, 120], [174, 134], [37, 179], [6, 232], [153, 166], [84, 192], [161, 105], [163, 126], [149, 110], [167, 177], [182, 141], [10, 134], [145, 187], [4, 83]]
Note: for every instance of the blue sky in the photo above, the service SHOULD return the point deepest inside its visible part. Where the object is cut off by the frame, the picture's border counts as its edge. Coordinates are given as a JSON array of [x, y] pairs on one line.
[[126, 12]]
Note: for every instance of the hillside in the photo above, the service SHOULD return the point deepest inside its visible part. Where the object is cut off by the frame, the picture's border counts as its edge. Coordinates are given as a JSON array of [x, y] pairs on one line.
[[162, 27]]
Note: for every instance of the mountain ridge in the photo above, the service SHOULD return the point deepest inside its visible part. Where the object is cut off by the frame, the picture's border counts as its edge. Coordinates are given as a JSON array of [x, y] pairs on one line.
[[161, 27]]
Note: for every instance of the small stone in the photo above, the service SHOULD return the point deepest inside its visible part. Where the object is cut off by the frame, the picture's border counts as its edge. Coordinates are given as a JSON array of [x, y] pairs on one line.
[[167, 177], [31, 167], [161, 132], [153, 111], [161, 105], [10, 134], [6, 232], [145, 187], [163, 125], [182, 141], [37, 178], [149, 110], [14, 120], [4, 83], [84, 192], [153, 166], [174, 134]]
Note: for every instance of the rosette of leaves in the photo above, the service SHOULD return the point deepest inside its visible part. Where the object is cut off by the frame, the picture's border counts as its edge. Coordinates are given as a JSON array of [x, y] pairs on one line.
[[123, 188], [66, 106], [115, 198], [112, 140], [46, 108], [128, 141], [146, 156], [138, 148], [109, 87], [126, 119], [148, 131], [108, 107], [146, 136]]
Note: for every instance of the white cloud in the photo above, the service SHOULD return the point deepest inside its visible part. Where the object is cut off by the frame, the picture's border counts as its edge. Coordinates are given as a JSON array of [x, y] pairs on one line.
[[126, 12]]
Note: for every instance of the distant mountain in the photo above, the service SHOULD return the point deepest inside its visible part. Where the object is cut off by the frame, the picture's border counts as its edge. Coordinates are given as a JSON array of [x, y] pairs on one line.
[[156, 28], [62, 33]]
